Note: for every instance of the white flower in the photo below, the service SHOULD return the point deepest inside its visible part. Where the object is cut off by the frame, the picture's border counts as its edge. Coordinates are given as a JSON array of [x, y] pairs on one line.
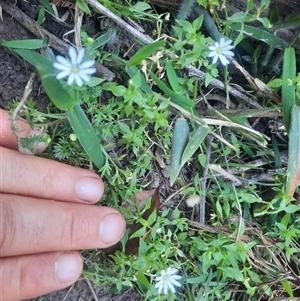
[[167, 281], [219, 50], [74, 68]]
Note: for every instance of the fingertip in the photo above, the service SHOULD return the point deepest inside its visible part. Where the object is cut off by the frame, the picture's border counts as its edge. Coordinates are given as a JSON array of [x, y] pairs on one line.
[[68, 267], [112, 228], [89, 189]]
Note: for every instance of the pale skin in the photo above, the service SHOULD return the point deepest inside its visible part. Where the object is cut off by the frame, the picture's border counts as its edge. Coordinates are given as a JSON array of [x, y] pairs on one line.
[[46, 215]]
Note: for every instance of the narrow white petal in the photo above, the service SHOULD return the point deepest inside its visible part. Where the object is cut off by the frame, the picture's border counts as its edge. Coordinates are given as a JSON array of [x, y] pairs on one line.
[[87, 71], [212, 48], [222, 42], [160, 288], [213, 53], [60, 59], [223, 60], [227, 52], [177, 277], [60, 66], [80, 56], [85, 77], [227, 43], [158, 278], [175, 282], [215, 59], [172, 271], [73, 55], [163, 272], [166, 289], [78, 80], [71, 79], [171, 287], [62, 74], [87, 64]]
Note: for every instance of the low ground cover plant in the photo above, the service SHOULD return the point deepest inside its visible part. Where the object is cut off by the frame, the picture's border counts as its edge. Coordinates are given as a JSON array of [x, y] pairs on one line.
[[181, 140]]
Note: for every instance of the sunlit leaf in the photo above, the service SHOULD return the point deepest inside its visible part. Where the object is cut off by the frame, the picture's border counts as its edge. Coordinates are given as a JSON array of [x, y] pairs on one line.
[[23, 44], [179, 141], [145, 52], [86, 134]]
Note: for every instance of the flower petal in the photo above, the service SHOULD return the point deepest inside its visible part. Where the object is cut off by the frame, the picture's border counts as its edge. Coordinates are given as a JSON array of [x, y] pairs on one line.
[[213, 53], [71, 79], [63, 61], [84, 77], [78, 80], [215, 59], [227, 43], [62, 74], [88, 71], [73, 55], [60, 66], [223, 59], [87, 64], [80, 56], [227, 52]]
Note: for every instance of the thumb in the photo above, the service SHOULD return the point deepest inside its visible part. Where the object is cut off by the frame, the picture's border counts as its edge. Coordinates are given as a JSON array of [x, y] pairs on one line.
[[29, 276]]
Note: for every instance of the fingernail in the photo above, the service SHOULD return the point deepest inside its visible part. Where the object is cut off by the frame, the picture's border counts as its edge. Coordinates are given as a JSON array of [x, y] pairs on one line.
[[68, 267], [112, 228], [89, 189]]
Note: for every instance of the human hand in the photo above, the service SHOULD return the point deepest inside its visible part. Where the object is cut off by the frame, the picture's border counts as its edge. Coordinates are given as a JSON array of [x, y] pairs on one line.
[[46, 215]]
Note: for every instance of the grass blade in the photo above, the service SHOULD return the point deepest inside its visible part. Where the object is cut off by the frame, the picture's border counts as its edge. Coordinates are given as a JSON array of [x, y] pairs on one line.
[[194, 143], [293, 168], [288, 86]]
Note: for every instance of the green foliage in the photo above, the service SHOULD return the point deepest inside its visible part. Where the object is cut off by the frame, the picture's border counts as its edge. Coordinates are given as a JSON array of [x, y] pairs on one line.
[[146, 125]]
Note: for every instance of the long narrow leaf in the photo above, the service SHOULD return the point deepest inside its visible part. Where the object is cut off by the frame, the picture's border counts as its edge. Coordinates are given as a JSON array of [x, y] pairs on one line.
[[180, 100], [293, 168], [194, 143], [288, 86], [179, 140], [86, 135], [145, 52], [24, 44]]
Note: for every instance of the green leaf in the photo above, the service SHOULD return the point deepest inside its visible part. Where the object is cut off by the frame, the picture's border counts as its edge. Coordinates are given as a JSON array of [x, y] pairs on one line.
[[293, 167], [57, 94], [41, 16], [194, 143], [180, 100], [287, 286], [102, 40], [133, 71], [145, 52], [179, 140], [288, 85], [36, 60], [23, 44], [86, 134], [292, 208], [83, 6], [259, 34], [48, 6], [172, 77], [141, 278]]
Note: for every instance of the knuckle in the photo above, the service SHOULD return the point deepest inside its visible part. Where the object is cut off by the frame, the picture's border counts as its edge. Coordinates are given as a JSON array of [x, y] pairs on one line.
[[8, 226], [77, 228]]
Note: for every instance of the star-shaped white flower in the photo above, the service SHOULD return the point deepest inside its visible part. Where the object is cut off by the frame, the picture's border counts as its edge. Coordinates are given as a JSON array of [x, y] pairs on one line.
[[74, 68], [219, 50], [167, 281]]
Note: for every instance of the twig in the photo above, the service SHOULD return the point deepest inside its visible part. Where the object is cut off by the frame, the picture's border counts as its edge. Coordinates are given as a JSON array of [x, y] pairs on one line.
[[55, 43], [91, 288]]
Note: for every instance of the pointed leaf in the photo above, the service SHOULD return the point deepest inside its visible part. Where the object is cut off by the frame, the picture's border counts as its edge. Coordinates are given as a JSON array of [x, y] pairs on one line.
[[179, 140], [293, 168], [24, 44], [288, 85], [86, 135], [194, 143], [145, 52]]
